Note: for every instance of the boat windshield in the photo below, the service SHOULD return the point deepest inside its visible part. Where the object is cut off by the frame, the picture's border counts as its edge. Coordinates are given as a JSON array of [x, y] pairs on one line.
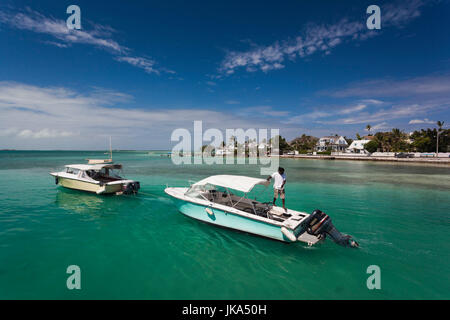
[[104, 174], [72, 171], [113, 173], [200, 191]]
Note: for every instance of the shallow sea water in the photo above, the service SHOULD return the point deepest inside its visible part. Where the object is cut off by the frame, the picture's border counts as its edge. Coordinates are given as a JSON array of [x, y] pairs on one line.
[[141, 247]]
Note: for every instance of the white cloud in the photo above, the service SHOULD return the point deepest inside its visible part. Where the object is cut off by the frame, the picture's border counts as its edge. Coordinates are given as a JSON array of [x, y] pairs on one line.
[[418, 96], [354, 109], [394, 112], [425, 85], [55, 117], [329, 112], [57, 44], [43, 134], [372, 101], [420, 121], [143, 63], [99, 36], [34, 21], [316, 38], [398, 15], [8, 132], [379, 126]]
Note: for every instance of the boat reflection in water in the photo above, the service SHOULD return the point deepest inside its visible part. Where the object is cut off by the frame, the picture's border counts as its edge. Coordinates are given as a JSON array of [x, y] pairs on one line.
[[80, 202]]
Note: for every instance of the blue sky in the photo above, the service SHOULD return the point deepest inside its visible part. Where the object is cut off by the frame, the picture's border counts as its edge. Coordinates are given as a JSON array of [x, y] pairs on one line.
[[137, 71]]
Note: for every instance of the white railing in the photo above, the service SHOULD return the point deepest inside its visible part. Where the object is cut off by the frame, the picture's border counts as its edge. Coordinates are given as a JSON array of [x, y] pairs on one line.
[[383, 154], [349, 154]]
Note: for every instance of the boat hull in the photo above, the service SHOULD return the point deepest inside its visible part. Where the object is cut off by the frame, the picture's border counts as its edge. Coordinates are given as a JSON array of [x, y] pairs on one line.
[[89, 187], [230, 220]]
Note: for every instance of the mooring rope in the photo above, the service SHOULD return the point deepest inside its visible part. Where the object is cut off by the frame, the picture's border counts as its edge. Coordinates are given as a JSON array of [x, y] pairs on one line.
[[136, 195], [146, 194]]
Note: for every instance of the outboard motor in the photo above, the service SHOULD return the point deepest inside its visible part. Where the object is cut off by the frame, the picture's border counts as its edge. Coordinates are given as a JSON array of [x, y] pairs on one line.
[[319, 224], [131, 187]]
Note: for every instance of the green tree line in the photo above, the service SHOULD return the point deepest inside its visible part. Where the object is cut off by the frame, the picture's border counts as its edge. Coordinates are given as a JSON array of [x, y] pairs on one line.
[[396, 140]]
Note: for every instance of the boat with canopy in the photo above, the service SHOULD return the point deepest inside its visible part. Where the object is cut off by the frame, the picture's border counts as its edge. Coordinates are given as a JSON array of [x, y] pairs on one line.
[[224, 200]]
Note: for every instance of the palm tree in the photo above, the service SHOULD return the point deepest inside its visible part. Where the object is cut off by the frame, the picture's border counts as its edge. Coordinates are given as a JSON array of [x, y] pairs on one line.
[[396, 132], [398, 139], [368, 127], [440, 124]]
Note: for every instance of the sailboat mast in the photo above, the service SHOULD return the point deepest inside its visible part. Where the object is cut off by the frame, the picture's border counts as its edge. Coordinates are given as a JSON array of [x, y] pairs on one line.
[[110, 148]]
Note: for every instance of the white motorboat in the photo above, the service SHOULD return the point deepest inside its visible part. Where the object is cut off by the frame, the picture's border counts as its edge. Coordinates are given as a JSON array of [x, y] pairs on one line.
[[98, 175], [100, 178], [211, 200]]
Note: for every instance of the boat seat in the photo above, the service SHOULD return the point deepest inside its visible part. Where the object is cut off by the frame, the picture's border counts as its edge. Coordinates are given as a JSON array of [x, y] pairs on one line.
[[276, 213], [217, 197]]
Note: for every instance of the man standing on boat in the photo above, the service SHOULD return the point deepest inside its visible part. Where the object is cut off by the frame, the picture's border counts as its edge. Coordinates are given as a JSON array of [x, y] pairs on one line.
[[278, 185]]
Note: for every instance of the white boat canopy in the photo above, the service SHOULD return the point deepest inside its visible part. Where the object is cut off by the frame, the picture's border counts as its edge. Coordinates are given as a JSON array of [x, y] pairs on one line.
[[240, 183]]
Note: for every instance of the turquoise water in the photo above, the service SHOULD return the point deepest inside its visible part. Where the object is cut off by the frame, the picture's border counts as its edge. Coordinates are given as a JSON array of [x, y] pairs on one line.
[[142, 248]]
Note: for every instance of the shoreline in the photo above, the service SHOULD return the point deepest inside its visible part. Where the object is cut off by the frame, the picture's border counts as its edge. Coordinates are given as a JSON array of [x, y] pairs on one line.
[[441, 161]]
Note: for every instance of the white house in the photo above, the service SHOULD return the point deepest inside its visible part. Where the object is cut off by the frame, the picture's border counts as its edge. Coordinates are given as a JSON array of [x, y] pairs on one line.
[[263, 145], [335, 143], [357, 146], [226, 150], [409, 140], [263, 148]]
